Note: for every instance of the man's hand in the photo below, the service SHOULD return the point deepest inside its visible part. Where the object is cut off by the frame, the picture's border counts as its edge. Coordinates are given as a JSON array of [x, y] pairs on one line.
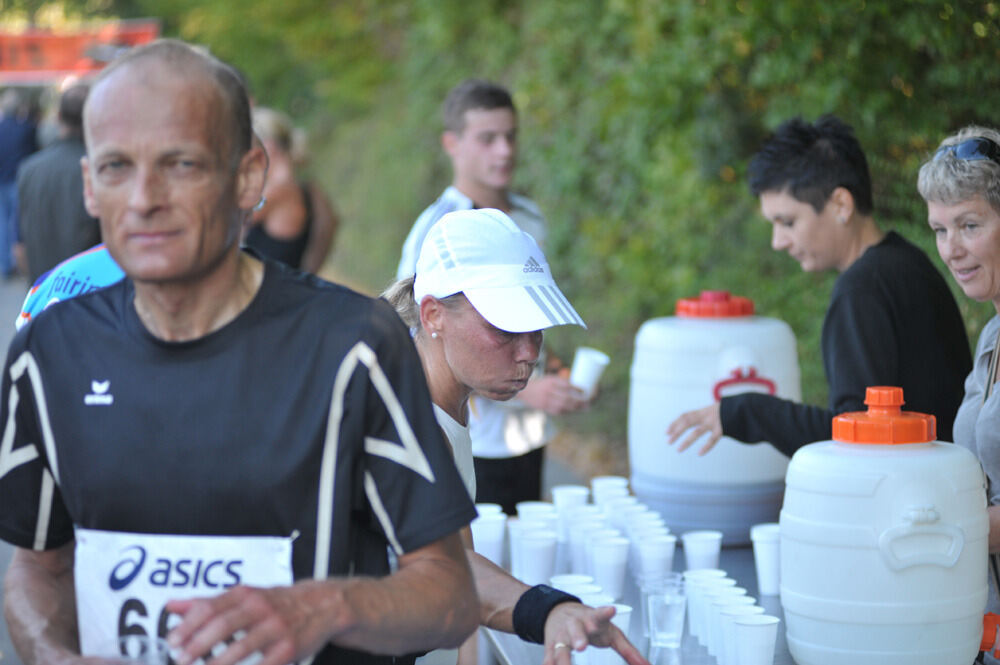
[[284, 624], [553, 394], [572, 627], [699, 421]]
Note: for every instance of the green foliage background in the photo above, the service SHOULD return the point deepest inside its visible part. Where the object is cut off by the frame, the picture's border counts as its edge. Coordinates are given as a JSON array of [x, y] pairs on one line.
[[637, 121]]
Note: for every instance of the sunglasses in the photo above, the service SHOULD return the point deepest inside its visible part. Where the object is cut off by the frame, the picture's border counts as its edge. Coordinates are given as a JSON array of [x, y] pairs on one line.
[[971, 150]]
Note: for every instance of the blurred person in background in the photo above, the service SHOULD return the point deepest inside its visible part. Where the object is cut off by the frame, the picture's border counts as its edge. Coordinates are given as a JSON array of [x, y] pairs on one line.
[[891, 321], [477, 329], [17, 142], [296, 223], [961, 186], [508, 439], [53, 222]]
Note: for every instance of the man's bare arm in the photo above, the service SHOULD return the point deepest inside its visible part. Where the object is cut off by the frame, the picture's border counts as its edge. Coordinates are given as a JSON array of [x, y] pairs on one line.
[[428, 603], [40, 605]]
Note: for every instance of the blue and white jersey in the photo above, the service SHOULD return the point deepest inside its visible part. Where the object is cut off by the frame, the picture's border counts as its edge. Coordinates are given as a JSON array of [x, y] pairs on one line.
[[87, 271]]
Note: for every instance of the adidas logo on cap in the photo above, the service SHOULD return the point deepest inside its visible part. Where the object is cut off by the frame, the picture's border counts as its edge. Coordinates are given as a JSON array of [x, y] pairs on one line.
[[531, 265]]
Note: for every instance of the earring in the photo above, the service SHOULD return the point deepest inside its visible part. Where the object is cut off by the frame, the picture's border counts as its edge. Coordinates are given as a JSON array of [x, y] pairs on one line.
[[434, 335], [842, 219]]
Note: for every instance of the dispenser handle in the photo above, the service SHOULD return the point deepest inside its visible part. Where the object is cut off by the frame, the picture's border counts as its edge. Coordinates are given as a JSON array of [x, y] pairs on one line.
[[921, 522]]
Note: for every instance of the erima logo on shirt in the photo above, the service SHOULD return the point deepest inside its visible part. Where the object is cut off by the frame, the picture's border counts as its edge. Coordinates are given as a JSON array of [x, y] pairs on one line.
[[99, 395], [533, 266]]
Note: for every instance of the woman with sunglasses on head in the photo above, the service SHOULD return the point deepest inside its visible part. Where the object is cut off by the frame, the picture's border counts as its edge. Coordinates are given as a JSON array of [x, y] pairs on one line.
[[477, 305], [891, 321], [961, 185]]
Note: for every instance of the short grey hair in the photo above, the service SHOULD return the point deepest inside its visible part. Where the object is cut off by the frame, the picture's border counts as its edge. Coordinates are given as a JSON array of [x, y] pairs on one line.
[[951, 180]]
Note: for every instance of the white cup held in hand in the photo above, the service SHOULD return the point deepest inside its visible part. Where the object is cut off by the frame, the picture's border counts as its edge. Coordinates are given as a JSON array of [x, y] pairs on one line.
[[588, 365], [766, 543]]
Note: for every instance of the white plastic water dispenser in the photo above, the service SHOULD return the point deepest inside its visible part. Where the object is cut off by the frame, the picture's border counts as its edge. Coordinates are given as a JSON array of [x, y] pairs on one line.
[[884, 539], [713, 347]]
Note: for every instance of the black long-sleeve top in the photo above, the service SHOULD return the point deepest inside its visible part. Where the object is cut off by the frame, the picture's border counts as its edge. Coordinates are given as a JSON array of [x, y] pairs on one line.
[[892, 321]]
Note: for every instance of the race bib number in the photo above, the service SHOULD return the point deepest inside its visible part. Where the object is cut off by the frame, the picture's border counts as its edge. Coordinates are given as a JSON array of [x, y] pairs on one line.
[[124, 580]]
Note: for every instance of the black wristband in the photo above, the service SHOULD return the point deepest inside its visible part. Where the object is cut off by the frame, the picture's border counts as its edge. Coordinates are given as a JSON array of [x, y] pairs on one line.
[[532, 609]]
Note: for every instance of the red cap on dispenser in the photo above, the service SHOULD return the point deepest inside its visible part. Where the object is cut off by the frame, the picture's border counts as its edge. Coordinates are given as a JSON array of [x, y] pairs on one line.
[[715, 305], [884, 422]]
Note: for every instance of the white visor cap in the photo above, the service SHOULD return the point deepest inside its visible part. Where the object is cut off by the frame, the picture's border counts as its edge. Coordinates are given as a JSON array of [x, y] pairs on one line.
[[500, 269]]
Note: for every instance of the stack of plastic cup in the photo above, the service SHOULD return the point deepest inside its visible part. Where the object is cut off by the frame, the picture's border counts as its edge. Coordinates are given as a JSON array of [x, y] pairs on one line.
[[702, 548], [730, 652], [756, 636], [488, 536]]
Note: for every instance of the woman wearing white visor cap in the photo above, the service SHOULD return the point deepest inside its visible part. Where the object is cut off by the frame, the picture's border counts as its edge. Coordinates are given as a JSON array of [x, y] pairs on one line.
[[478, 303]]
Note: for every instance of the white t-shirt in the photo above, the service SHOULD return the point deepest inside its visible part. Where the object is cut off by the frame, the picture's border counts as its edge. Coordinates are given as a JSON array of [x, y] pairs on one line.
[[461, 444]]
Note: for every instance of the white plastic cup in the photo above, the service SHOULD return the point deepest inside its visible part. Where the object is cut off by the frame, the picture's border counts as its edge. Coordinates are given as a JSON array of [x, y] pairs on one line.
[[578, 532], [766, 557], [596, 599], [697, 588], [538, 556], [654, 553], [658, 583], [136, 650], [730, 647], [569, 582], [610, 556], [602, 495], [528, 510], [605, 655], [588, 545], [515, 527], [489, 509], [600, 483], [702, 548], [715, 606], [588, 365], [756, 636], [488, 536], [566, 498], [704, 609], [665, 609]]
